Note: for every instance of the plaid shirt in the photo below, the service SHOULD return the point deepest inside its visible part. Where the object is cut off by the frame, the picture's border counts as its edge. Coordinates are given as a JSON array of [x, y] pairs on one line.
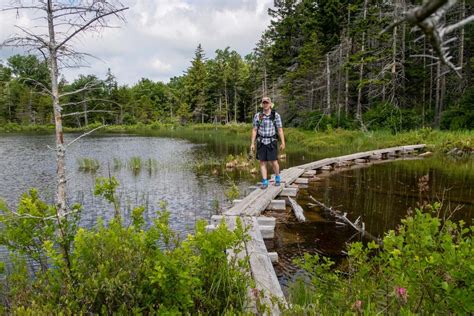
[[266, 128]]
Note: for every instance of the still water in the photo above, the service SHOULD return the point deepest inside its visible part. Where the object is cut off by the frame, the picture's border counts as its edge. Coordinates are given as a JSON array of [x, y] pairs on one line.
[[28, 162], [193, 186]]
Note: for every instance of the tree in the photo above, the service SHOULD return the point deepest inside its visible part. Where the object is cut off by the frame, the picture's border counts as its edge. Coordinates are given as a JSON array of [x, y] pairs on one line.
[[196, 84], [64, 21]]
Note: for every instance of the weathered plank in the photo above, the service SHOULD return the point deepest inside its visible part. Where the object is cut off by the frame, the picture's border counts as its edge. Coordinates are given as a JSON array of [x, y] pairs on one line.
[[297, 209], [302, 181], [257, 201], [286, 192], [262, 268], [367, 154]]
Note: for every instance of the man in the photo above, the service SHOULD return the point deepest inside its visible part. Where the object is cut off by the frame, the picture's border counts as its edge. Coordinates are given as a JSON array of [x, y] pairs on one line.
[[266, 125]]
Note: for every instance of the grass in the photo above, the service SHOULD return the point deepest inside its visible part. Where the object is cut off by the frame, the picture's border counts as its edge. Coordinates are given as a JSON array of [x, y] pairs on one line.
[[135, 164], [334, 142], [117, 164], [151, 165], [88, 164]]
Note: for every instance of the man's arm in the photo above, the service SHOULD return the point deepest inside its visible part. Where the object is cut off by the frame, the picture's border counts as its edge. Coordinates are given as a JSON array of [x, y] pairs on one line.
[[282, 138], [252, 140]]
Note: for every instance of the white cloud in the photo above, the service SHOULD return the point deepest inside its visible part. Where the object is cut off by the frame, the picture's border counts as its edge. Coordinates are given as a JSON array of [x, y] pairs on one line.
[[159, 38]]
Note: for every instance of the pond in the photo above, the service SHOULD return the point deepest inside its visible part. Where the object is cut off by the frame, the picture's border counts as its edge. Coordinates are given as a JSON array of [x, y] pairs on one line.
[[185, 175]]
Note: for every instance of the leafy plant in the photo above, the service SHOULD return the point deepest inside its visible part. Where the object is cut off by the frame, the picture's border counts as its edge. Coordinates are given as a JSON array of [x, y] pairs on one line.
[[121, 269], [425, 266]]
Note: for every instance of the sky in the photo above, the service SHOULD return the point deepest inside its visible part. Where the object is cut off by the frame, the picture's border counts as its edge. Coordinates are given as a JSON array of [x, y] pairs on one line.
[[159, 37]]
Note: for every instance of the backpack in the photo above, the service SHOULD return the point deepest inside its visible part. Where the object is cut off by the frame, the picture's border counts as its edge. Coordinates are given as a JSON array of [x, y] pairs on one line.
[[272, 118]]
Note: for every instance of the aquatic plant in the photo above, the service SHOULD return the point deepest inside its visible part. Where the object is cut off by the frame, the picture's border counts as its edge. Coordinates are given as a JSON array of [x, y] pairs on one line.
[[135, 164], [117, 164], [233, 192], [151, 165], [88, 164]]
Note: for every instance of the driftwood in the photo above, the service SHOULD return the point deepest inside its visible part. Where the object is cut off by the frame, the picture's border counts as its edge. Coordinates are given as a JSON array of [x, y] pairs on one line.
[[297, 209], [357, 224]]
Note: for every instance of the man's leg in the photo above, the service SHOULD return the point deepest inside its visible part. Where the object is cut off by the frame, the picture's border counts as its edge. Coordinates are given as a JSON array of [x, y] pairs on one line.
[[276, 167], [263, 169]]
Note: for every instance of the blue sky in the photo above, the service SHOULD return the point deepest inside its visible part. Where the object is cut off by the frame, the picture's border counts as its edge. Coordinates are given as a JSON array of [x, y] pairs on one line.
[[159, 38]]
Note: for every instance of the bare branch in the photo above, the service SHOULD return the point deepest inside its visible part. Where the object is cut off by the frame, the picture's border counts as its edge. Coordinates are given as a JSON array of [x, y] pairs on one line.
[[85, 134], [88, 86], [85, 26], [89, 111], [453, 27]]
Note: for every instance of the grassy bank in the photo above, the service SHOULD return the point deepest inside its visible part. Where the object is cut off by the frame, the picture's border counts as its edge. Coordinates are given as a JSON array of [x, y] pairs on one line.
[[336, 141]]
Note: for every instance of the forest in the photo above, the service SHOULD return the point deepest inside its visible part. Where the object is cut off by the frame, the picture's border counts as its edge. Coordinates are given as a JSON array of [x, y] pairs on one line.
[[323, 63]]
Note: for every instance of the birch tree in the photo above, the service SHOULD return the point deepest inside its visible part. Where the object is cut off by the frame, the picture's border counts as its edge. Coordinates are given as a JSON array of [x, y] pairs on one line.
[[58, 24]]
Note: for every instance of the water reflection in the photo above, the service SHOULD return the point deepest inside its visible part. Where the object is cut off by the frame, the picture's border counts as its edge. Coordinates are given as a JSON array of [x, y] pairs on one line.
[[381, 194]]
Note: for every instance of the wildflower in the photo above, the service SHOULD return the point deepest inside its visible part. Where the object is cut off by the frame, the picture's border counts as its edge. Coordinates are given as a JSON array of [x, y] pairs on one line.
[[401, 293], [357, 305]]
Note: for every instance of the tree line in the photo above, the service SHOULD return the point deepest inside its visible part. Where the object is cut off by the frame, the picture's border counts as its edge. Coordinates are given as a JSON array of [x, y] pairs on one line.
[[324, 63]]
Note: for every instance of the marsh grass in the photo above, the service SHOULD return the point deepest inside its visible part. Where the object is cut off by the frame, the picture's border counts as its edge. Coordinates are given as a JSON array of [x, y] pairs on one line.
[[88, 164], [151, 165], [135, 164], [117, 164]]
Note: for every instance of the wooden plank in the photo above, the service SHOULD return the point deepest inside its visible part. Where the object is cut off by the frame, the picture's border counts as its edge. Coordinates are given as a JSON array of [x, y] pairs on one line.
[[277, 205], [298, 210], [287, 192], [328, 161], [273, 257], [302, 181], [262, 268], [309, 173]]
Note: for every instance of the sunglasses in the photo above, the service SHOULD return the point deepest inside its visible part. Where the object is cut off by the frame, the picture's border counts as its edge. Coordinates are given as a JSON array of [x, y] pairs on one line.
[[265, 102]]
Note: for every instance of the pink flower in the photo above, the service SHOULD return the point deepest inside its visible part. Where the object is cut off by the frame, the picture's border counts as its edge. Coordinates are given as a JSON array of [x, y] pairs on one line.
[[401, 293], [357, 305]]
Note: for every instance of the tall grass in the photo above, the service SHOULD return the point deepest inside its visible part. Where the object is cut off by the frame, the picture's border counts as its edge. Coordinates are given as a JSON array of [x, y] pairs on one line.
[[88, 164], [117, 164], [151, 165], [135, 164]]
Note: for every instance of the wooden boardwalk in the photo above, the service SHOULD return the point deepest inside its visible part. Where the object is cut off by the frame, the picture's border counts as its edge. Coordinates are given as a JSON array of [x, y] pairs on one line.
[[249, 208]]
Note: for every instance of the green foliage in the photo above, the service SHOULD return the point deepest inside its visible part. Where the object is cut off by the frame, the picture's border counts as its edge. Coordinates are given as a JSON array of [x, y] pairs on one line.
[[135, 164], [318, 121], [151, 165], [460, 117], [232, 193], [106, 187], [27, 230], [425, 266], [88, 164], [388, 116], [118, 269]]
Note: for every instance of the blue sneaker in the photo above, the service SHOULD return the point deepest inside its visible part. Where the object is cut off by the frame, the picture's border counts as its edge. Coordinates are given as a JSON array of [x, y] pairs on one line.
[[264, 184], [277, 180]]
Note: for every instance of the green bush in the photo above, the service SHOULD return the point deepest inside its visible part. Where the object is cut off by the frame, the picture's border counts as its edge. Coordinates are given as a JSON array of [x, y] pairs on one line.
[[387, 116], [425, 266], [316, 120], [461, 116], [118, 268]]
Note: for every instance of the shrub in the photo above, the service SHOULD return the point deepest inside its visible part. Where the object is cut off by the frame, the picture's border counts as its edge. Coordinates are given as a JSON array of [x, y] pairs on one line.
[[424, 267], [120, 269]]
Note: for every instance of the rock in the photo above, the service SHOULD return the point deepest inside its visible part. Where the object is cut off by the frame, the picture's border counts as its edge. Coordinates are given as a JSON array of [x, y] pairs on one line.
[[326, 168]]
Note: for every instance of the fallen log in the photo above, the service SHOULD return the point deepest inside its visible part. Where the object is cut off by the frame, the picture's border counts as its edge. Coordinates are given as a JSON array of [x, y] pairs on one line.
[[297, 209], [358, 225]]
